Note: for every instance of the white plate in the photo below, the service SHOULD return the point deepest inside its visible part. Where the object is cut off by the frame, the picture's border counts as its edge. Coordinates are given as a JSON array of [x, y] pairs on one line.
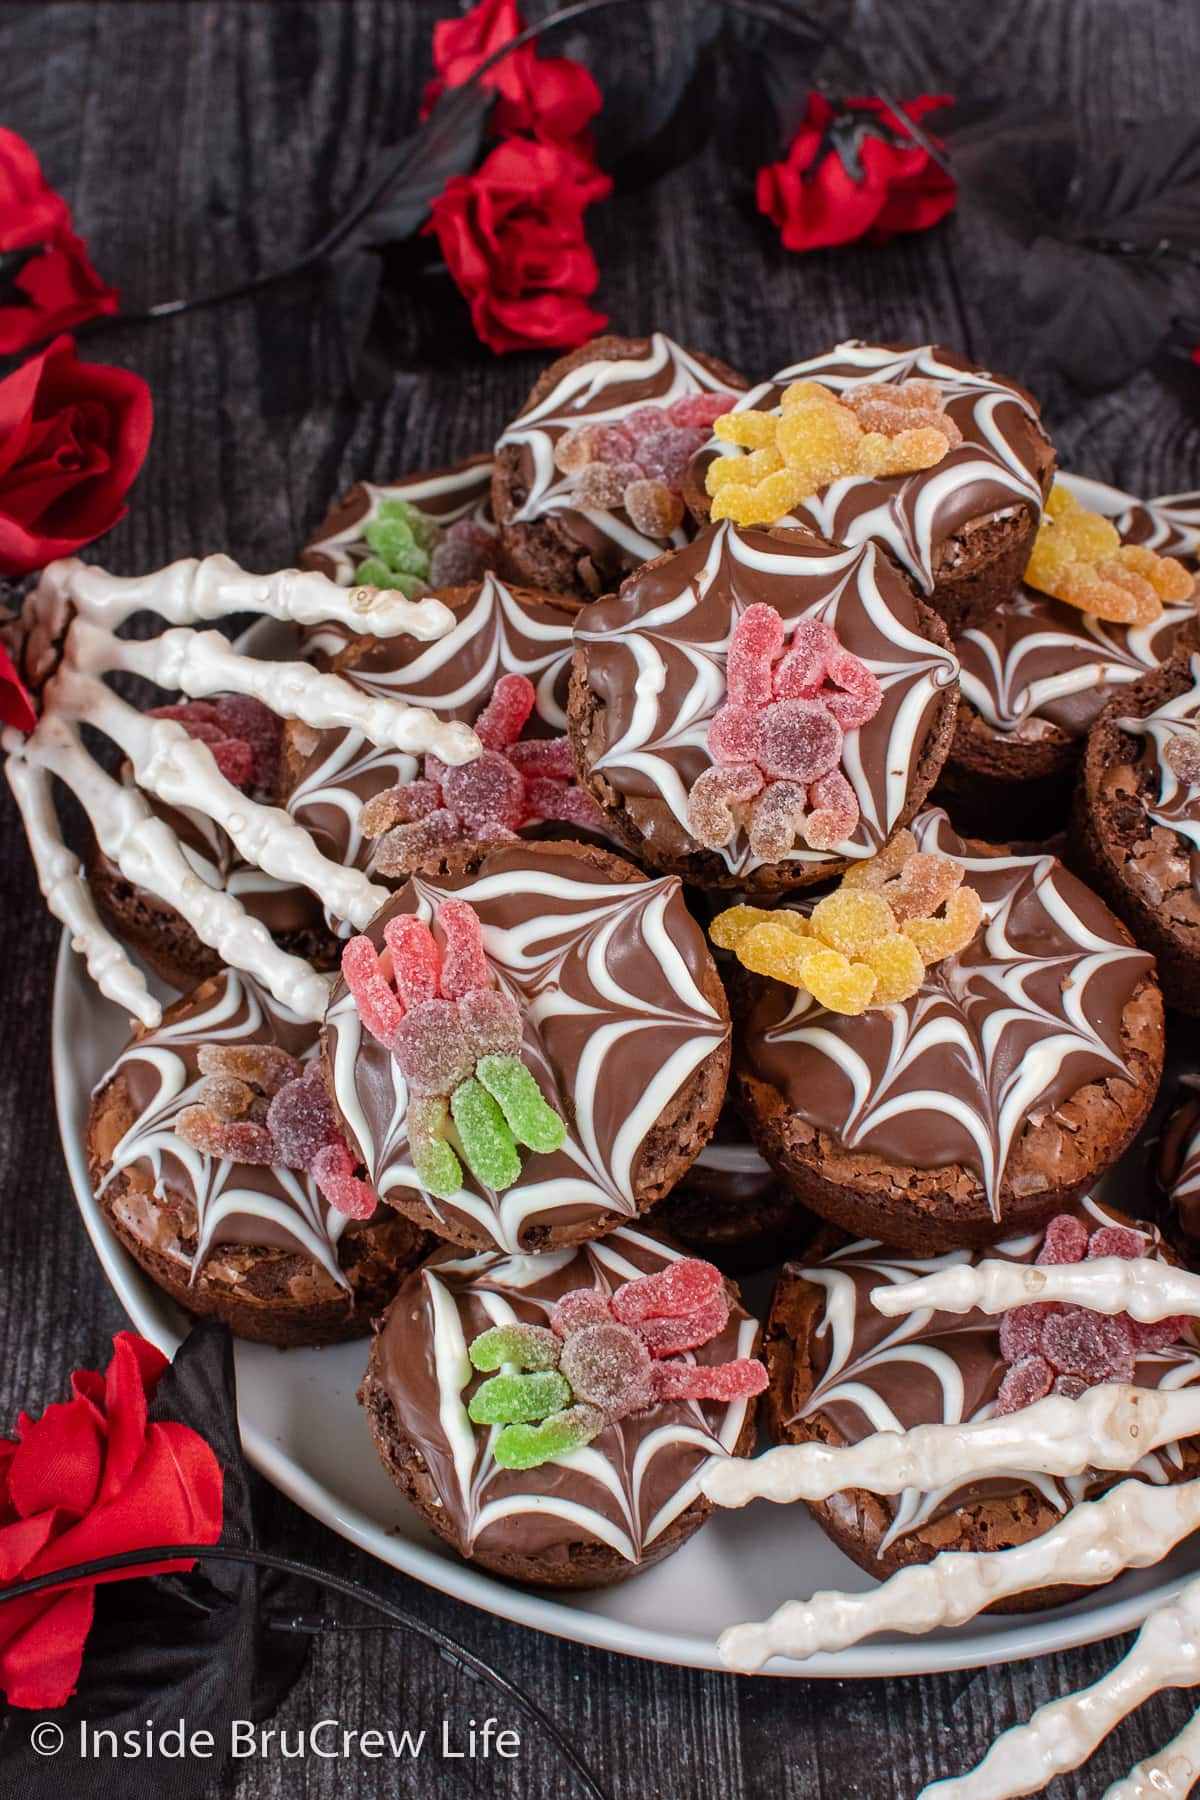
[[303, 1429]]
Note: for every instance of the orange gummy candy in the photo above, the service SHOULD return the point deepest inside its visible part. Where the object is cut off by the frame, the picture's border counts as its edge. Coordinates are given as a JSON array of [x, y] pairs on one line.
[[1078, 557], [936, 938]]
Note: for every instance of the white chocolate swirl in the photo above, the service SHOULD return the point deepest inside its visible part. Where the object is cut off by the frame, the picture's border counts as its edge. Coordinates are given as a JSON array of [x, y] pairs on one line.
[[1177, 807]]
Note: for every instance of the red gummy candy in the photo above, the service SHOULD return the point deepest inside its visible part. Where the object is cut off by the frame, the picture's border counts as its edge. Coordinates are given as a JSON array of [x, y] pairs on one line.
[[735, 734], [301, 1120], [1116, 1240], [1156, 1334], [432, 1049], [643, 419], [580, 1307], [464, 965], [491, 1022], [239, 1140], [1021, 1330], [714, 1381], [607, 1366], [852, 693], [801, 741], [378, 1007], [562, 802], [802, 670], [1027, 1381], [503, 718], [415, 960], [252, 721], [233, 758], [543, 756], [1078, 1342], [488, 795], [669, 1336], [756, 642], [333, 1171], [1066, 1240], [665, 454], [671, 1293], [612, 444], [696, 410]]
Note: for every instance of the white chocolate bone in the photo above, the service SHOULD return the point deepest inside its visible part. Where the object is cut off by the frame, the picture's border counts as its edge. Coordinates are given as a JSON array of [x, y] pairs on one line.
[[1108, 1427], [1132, 1526], [1169, 1774], [1060, 1735], [1139, 1285]]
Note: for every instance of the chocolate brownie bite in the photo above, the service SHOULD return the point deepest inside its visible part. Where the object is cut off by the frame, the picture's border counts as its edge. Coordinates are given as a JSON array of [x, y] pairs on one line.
[[613, 1013], [254, 1243], [960, 514], [424, 531], [1017, 1071], [245, 736], [569, 1475], [588, 477], [841, 1371], [760, 708], [732, 1208], [1137, 819]]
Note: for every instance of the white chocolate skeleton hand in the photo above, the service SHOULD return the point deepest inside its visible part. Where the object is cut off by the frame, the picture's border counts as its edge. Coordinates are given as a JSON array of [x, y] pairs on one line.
[[69, 623]]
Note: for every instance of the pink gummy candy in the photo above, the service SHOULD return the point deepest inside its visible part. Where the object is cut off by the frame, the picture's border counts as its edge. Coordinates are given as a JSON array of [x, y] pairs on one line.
[[608, 1366], [488, 795], [713, 794], [242, 716], [1078, 1342], [503, 718], [431, 1048], [1066, 1240], [1116, 1240], [802, 670], [562, 801], [670, 1293], [240, 1140], [580, 1307], [834, 816], [776, 819], [716, 1381], [612, 444], [669, 1336], [644, 419], [233, 758], [378, 1007], [1027, 1381], [415, 960], [464, 965], [543, 756], [697, 410], [333, 1171], [851, 692], [756, 642], [491, 1022], [300, 1119], [665, 454], [1156, 1334], [801, 741], [735, 734], [1021, 1330]]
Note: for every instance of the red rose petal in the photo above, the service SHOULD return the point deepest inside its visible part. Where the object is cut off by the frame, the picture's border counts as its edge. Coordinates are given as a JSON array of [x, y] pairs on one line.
[[59, 1461], [41, 1647]]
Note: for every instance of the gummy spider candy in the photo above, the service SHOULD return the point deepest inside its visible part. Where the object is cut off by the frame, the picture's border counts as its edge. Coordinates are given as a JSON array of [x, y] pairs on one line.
[[412, 553], [876, 428], [457, 1040], [639, 464], [602, 1357], [511, 784], [777, 743], [257, 1104], [1078, 557], [869, 943], [1053, 1348], [244, 736]]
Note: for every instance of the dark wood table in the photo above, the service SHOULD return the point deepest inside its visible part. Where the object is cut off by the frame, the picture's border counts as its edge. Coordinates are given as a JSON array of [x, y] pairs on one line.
[[200, 143]]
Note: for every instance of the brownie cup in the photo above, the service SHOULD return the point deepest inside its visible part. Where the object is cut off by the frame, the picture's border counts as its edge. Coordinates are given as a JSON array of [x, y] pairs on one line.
[[1034, 676], [732, 1208], [256, 1246], [456, 500], [329, 776], [596, 1515], [651, 674], [961, 530], [1019, 1071], [840, 1372], [158, 933], [1137, 819], [624, 1029], [569, 529], [1178, 1172]]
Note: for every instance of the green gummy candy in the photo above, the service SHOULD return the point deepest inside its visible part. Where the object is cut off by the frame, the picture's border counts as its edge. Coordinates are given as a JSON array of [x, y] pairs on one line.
[[434, 1160], [532, 1120], [425, 530], [525, 1446], [528, 1346], [486, 1140], [394, 544], [511, 1399], [374, 572]]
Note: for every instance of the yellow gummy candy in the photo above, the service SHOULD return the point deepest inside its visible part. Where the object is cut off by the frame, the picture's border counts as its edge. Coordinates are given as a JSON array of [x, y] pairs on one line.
[[1111, 592], [772, 949], [873, 871], [899, 455], [1166, 574], [898, 967], [730, 927], [741, 471], [841, 985], [853, 920], [753, 430], [936, 938], [764, 503], [821, 441]]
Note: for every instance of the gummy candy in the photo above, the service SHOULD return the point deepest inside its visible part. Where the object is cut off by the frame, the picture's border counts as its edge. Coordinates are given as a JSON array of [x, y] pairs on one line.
[[806, 660], [608, 1366], [777, 820], [1114, 1240], [600, 486], [613, 444], [816, 438], [543, 756], [1182, 756], [834, 812], [401, 851], [434, 1160], [577, 1308], [532, 1122], [1065, 1240], [853, 694], [374, 1000], [415, 962], [1096, 1347], [856, 949], [1021, 1331], [517, 1399], [488, 795], [654, 508], [801, 741], [431, 1047], [754, 647], [528, 1346], [486, 1139], [401, 539], [1157, 1334], [332, 1169], [668, 1336], [664, 454], [1027, 1381], [709, 1381], [464, 965], [1078, 557], [243, 734], [504, 717], [574, 449], [300, 1119], [526, 1446], [699, 410], [265, 1065], [465, 554], [714, 793], [241, 1140], [230, 1098], [670, 1293]]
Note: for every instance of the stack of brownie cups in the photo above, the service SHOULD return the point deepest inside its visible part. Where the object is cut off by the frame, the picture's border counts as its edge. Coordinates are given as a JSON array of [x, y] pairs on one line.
[[689, 974]]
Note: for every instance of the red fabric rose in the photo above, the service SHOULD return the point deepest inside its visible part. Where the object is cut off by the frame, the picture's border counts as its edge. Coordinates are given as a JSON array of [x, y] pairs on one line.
[[549, 98], [16, 702], [91, 1477], [72, 437], [512, 235], [59, 285], [851, 171]]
